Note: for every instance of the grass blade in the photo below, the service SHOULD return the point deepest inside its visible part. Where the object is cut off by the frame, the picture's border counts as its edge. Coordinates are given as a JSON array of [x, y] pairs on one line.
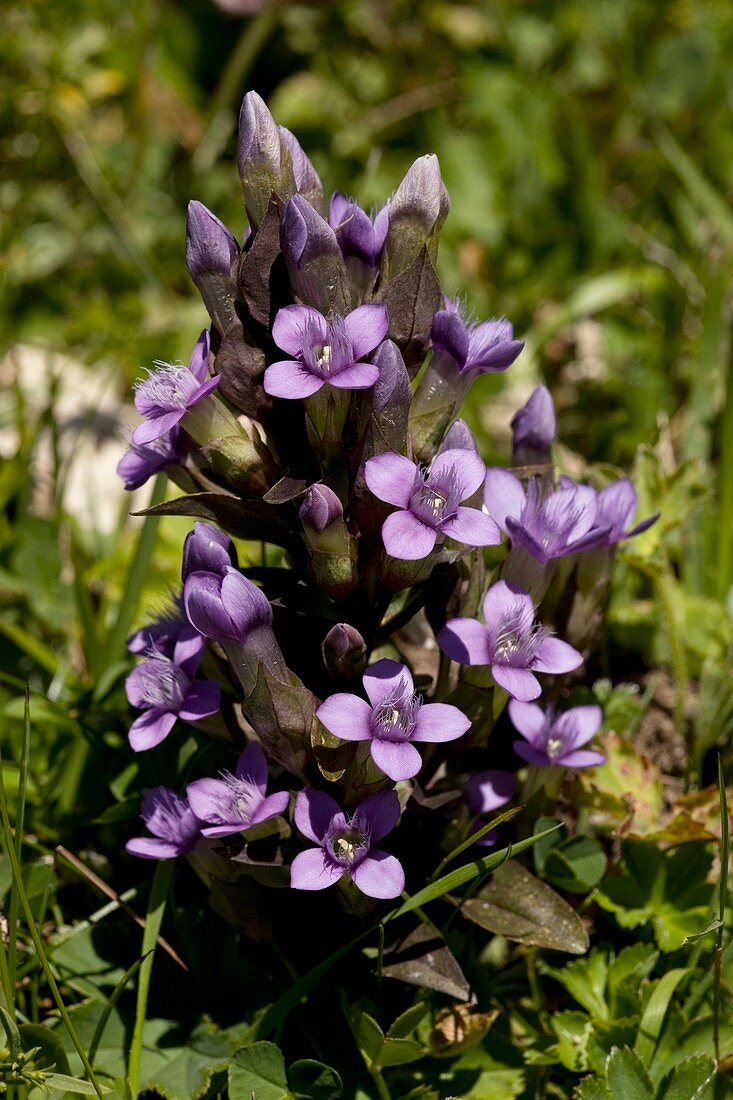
[[109, 1007], [153, 920], [478, 835], [36, 936], [723, 887], [19, 829]]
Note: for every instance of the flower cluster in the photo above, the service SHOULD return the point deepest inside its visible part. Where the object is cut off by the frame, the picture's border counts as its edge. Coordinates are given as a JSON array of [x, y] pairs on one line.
[[364, 669]]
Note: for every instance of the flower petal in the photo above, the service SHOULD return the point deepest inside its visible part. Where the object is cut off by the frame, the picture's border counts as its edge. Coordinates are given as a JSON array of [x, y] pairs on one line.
[[149, 847], [288, 326], [367, 327], [272, 806], [406, 537], [578, 725], [382, 811], [517, 682], [531, 754], [397, 759], [252, 765], [391, 477], [313, 813], [556, 656], [204, 609], [472, 527], [582, 758], [156, 428], [440, 722], [528, 719], [361, 376], [466, 467], [385, 677], [188, 649], [150, 729], [487, 791], [465, 641], [290, 380], [205, 797], [379, 875], [312, 870], [203, 699], [504, 495], [346, 716], [504, 599]]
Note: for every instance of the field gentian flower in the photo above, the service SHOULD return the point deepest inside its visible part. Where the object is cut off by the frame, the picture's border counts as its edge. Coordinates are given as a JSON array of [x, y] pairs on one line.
[[324, 352], [615, 511], [359, 236], [476, 349], [140, 462], [169, 392], [511, 643], [162, 635], [547, 524], [165, 689], [534, 428], [345, 844], [551, 738], [236, 801], [393, 719], [488, 791], [428, 502], [172, 822], [207, 550]]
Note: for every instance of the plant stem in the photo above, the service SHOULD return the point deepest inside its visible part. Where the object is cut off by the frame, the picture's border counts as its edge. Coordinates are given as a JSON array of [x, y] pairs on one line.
[[723, 887]]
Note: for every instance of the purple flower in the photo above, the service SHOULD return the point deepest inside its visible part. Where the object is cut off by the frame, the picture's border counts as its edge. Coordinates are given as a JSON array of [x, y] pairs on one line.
[[428, 502], [534, 428], [165, 689], [171, 821], [139, 463], [359, 236], [225, 606], [511, 643], [207, 550], [474, 348], [168, 393], [615, 510], [210, 247], [392, 720], [488, 791], [320, 508], [345, 844], [548, 524], [325, 353], [235, 802], [551, 738], [344, 650], [162, 636]]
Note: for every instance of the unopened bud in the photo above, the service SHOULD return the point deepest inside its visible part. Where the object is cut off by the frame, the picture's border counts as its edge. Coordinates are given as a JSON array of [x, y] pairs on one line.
[[211, 253], [416, 214], [344, 651], [313, 256], [331, 547], [264, 159], [307, 180], [534, 428]]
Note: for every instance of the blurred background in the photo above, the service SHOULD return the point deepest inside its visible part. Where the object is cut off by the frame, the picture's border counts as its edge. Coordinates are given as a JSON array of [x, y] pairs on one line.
[[588, 152]]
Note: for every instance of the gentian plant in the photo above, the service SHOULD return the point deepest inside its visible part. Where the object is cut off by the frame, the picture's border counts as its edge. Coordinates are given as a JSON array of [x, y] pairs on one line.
[[350, 690]]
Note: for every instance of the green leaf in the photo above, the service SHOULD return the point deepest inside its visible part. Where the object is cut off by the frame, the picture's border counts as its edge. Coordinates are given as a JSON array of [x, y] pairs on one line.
[[258, 1069], [690, 1080], [187, 1072], [519, 906], [311, 1080], [425, 960], [11, 1033], [573, 1030], [591, 1088], [626, 1076], [51, 1051], [576, 864], [60, 1082], [408, 1021], [652, 1020], [375, 1047], [585, 980]]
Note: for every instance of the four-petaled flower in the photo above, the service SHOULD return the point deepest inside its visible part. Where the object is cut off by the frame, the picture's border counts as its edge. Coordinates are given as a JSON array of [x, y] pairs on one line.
[[548, 524], [235, 802], [345, 844], [170, 819], [429, 502], [551, 738], [473, 349], [324, 352], [393, 719], [169, 392], [165, 689], [511, 643]]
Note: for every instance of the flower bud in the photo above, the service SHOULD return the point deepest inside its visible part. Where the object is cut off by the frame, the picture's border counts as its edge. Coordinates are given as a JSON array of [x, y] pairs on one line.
[[211, 253], [344, 651], [458, 438], [361, 240], [416, 214], [313, 256], [207, 550], [534, 428], [331, 547], [264, 159], [306, 178]]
